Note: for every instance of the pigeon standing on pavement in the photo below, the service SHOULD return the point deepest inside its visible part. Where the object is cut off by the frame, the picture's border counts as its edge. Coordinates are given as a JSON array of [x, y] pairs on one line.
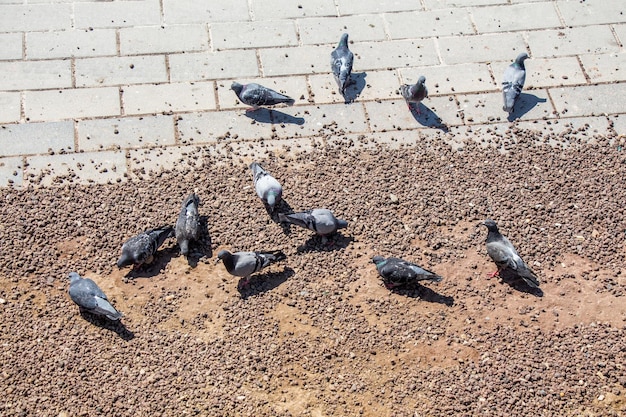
[[341, 60], [513, 82], [321, 221], [140, 249], [244, 264], [267, 187], [88, 296], [256, 95], [188, 223], [397, 272], [414, 93], [506, 257]]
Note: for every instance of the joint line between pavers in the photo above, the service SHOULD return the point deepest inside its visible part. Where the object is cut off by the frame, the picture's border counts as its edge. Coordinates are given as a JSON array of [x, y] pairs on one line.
[[250, 13], [161, 13], [438, 50], [118, 45], [121, 95], [210, 38], [556, 112], [582, 68], [258, 63], [616, 36], [168, 71], [337, 7], [73, 72], [24, 45], [385, 27], [76, 148], [367, 118], [297, 29], [472, 21], [22, 106], [558, 13]]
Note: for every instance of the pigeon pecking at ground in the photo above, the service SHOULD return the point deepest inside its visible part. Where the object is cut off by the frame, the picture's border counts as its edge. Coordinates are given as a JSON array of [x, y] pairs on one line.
[[513, 82], [244, 264], [341, 59], [88, 296], [256, 95], [414, 93], [397, 272], [321, 221], [506, 257], [188, 223], [140, 249], [267, 187]]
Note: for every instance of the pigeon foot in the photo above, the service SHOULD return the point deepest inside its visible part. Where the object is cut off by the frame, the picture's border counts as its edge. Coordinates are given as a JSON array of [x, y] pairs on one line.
[[495, 273]]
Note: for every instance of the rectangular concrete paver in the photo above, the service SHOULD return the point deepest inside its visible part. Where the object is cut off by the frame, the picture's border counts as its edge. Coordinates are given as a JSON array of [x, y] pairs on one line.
[[11, 171], [32, 75], [395, 54], [572, 41], [550, 72], [129, 132], [213, 127], [589, 100], [10, 105], [605, 67], [444, 4], [301, 60], [377, 6], [68, 43], [318, 30], [261, 34], [92, 72], [71, 104], [34, 17], [619, 123], [116, 14], [216, 65], [480, 48], [395, 114], [280, 9], [487, 108], [577, 13], [370, 85], [162, 39], [515, 17], [11, 46], [34, 138], [175, 97], [451, 79], [579, 127], [313, 120], [443, 22], [194, 11], [295, 87]]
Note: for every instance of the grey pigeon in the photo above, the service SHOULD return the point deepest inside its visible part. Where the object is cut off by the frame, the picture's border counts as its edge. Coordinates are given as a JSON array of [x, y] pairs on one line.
[[140, 249], [415, 93], [188, 223], [506, 257], [244, 264], [321, 221], [513, 82], [341, 59], [88, 296], [397, 272], [256, 95], [267, 187]]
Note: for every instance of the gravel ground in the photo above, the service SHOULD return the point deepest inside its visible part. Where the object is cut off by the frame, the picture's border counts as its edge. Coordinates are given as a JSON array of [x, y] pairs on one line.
[[318, 334]]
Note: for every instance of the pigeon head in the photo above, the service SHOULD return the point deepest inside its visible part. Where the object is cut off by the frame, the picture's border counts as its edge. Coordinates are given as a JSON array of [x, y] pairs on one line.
[[344, 40], [490, 225], [236, 87], [124, 260], [272, 198], [184, 247], [378, 259], [421, 80], [73, 276], [520, 58], [341, 224], [223, 254]]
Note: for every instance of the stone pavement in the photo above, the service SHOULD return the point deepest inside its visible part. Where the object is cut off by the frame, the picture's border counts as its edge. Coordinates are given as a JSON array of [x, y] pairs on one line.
[[104, 91]]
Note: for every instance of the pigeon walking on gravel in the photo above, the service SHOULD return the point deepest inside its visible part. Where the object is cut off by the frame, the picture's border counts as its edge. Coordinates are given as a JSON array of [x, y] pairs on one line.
[[414, 93], [140, 249], [503, 253], [88, 296], [397, 272], [341, 60], [256, 95], [267, 187], [188, 223], [244, 264], [321, 221], [513, 82]]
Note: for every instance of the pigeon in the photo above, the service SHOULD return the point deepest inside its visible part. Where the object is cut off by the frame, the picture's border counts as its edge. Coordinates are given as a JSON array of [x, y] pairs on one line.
[[188, 223], [140, 249], [341, 60], [321, 221], [244, 264], [256, 95], [397, 272], [514, 77], [414, 93], [267, 187], [506, 257], [88, 296]]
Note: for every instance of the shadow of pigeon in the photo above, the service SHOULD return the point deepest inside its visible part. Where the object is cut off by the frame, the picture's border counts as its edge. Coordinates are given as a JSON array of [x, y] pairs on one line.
[[356, 87], [511, 279], [278, 117], [317, 243], [261, 115], [423, 293], [161, 259], [285, 208], [524, 104], [104, 323], [264, 282], [427, 117]]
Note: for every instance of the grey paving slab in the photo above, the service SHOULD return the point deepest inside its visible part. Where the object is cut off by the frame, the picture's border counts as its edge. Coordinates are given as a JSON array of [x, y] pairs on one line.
[[260, 34], [194, 11], [162, 39], [487, 107], [10, 106], [311, 120], [87, 167], [444, 4], [368, 85], [32, 17], [116, 14], [92, 72], [577, 13], [11, 172], [295, 87], [480, 48], [126, 133], [10, 46], [619, 123], [166, 98], [451, 79], [572, 41], [319, 30], [213, 127], [506, 18], [548, 72], [280, 9], [51, 105], [306, 59], [589, 100], [213, 65], [443, 22], [436, 112], [32, 75], [71, 43], [377, 6], [36, 138], [395, 54], [573, 127]]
